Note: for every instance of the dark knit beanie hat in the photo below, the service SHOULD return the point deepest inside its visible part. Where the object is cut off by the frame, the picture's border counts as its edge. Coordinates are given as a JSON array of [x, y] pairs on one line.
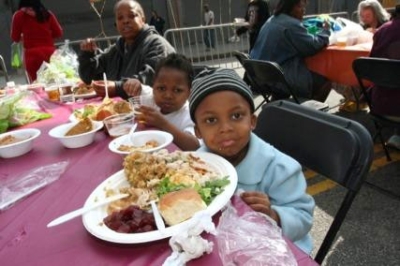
[[222, 79]]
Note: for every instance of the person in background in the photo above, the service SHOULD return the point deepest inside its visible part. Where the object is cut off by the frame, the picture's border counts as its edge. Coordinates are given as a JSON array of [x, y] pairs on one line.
[[222, 108], [169, 108], [387, 45], [158, 22], [256, 15], [209, 34], [284, 40], [371, 14], [131, 60], [37, 28]]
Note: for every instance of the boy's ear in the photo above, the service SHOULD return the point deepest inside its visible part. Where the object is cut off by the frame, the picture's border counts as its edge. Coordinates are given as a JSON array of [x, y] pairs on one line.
[[197, 132], [253, 121]]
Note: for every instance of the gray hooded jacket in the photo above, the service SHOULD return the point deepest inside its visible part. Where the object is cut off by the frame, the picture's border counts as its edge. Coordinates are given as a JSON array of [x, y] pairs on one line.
[[137, 61]]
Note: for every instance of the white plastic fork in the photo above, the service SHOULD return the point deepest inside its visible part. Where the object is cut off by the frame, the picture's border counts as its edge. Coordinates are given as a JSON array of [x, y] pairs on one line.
[[157, 217]]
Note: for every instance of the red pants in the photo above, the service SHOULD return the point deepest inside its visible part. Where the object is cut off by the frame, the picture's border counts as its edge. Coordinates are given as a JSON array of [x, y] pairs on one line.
[[34, 57]]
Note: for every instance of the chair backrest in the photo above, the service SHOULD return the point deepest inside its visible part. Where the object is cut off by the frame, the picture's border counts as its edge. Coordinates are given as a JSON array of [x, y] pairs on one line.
[[335, 147], [269, 78], [381, 72], [240, 56]]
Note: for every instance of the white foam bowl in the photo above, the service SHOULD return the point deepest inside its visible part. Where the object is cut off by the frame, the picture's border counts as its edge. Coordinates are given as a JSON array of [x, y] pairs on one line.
[[76, 141], [21, 147], [139, 139]]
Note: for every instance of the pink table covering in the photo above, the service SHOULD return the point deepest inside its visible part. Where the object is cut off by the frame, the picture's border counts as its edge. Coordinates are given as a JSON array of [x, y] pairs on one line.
[[24, 237]]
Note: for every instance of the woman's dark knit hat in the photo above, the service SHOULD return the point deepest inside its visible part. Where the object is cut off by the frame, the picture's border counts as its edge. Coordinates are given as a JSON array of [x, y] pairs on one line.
[[210, 81]]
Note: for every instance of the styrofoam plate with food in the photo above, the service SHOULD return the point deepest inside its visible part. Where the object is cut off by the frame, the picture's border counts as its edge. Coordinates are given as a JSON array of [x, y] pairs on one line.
[[99, 111], [145, 141], [76, 134], [95, 222], [18, 142]]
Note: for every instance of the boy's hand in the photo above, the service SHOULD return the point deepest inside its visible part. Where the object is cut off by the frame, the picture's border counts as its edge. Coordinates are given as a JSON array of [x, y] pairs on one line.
[[132, 87], [150, 116], [259, 202]]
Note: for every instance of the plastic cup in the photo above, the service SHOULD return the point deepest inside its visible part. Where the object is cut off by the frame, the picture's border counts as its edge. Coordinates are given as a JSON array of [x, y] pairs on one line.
[[67, 94], [120, 124], [341, 41], [137, 101], [53, 93]]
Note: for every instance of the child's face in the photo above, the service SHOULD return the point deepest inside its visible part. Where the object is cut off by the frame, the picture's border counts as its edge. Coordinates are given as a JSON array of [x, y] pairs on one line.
[[170, 89], [224, 121], [129, 22]]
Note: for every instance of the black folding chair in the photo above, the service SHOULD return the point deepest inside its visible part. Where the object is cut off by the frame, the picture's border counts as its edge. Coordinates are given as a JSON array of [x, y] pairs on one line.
[[268, 78], [3, 68], [335, 147], [241, 57], [382, 73]]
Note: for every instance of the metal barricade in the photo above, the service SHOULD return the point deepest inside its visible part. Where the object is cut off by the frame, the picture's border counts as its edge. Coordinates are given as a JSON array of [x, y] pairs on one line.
[[192, 42], [102, 43]]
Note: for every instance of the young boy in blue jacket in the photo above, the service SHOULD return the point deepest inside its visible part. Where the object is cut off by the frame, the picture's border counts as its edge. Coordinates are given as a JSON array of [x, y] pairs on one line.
[[222, 108]]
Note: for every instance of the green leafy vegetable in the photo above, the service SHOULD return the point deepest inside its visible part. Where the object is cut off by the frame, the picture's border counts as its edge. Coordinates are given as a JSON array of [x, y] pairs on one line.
[[208, 192], [213, 188], [166, 186]]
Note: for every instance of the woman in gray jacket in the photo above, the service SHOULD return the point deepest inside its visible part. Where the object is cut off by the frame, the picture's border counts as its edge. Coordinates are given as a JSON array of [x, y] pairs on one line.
[[284, 40], [131, 60]]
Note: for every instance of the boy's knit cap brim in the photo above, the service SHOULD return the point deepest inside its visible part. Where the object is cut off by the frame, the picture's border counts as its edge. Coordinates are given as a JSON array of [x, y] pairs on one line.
[[211, 81]]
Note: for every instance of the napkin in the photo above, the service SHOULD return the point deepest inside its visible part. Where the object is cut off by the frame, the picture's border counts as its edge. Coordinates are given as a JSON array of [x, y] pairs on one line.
[[188, 244]]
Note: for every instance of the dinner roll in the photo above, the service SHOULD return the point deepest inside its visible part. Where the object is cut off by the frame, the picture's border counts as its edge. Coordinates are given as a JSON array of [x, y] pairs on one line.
[[178, 206]]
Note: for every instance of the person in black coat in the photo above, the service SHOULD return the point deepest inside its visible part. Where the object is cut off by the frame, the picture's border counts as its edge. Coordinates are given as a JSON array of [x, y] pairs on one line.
[[256, 15], [157, 21]]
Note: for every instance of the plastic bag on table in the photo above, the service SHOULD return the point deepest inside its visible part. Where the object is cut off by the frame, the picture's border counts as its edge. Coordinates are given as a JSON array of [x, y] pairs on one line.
[[62, 68], [16, 55], [19, 109], [15, 188], [315, 25], [251, 239], [351, 33]]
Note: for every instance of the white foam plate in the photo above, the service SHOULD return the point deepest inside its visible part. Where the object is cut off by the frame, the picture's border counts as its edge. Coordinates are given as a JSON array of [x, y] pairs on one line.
[[93, 221]]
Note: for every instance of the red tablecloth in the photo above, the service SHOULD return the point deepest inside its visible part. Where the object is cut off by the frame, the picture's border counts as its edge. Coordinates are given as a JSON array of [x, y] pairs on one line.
[[335, 63], [24, 237]]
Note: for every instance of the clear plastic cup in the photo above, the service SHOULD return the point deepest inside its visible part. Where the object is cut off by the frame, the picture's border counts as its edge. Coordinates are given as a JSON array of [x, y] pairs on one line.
[[120, 124], [341, 41], [66, 93], [53, 93], [137, 101]]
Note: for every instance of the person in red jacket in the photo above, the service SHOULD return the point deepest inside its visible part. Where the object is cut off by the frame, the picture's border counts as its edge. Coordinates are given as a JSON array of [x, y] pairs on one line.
[[37, 28]]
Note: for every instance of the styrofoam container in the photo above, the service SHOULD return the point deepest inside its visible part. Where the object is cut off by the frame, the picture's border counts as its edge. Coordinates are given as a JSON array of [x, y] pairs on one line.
[[139, 139], [21, 147], [76, 141]]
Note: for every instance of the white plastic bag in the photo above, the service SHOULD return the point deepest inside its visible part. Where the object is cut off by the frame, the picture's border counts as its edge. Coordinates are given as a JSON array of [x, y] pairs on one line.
[[62, 69], [15, 188], [251, 239], [349, 33]]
